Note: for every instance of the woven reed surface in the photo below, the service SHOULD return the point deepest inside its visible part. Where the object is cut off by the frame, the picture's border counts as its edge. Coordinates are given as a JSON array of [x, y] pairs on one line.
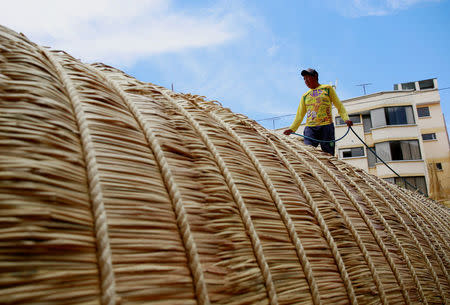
[[115, 191]]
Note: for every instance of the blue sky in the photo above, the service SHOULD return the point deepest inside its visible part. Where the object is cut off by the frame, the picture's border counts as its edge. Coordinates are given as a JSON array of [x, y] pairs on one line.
[[248, 54]]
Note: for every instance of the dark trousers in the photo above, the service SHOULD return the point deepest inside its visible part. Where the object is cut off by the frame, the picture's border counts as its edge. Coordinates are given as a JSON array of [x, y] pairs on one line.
[[324, 132]]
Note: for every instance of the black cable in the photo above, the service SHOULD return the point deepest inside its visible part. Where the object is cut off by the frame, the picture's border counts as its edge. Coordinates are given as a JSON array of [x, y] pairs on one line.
[[350, 128], [404, 179], [323, 141]]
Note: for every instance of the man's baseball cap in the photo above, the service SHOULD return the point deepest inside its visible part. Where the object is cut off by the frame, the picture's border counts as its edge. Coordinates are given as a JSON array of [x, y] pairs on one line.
[[310, 71]]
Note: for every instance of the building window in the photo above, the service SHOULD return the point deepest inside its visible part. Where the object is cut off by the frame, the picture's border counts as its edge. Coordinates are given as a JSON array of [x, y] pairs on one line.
[[367, 123], [398, 150], [423, 112], [400, 115], [371, 158], [355, 118], [409, 86], [412, 184], [426, 84], [439, 166], [395, 87], [351, 152], [428, 136]]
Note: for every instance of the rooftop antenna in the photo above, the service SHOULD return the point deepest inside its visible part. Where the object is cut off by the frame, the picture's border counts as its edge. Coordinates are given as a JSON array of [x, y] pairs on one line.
[[364, 86]]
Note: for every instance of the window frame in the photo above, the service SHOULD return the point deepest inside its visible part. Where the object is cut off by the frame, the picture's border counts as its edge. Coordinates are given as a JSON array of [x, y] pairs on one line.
[[413, 84], [426, 115], [396, 150], [352, 150], [433, 136], [386, 116], [396, 114], [416, 181], [425, 83], [340, 122]]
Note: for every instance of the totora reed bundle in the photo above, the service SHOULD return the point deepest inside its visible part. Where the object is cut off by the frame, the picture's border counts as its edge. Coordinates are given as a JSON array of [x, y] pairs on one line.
[[115, 191]]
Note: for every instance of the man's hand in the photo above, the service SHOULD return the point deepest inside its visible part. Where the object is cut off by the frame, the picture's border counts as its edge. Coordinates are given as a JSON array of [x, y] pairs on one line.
[[287, 132], [349, 123]]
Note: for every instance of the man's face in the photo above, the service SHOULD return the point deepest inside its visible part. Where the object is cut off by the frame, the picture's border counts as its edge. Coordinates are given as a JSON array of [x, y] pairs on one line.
[[310, 81]]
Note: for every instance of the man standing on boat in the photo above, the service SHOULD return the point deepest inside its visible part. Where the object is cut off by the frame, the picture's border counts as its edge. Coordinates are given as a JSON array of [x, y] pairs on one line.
[[316, 104]]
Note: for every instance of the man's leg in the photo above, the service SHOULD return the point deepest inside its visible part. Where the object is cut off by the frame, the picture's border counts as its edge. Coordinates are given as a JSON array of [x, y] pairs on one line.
[[328, 135], [312, 133]]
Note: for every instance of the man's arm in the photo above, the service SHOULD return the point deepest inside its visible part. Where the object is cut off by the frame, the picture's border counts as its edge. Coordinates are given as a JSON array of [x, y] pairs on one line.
[[301, 111]]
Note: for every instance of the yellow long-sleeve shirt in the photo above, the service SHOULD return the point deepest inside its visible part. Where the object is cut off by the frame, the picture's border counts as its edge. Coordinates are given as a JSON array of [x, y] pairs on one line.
[[316, 104]]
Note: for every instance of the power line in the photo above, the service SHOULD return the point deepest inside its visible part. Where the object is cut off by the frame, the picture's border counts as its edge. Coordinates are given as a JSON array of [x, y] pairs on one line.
[[276, 117], [382, 99]]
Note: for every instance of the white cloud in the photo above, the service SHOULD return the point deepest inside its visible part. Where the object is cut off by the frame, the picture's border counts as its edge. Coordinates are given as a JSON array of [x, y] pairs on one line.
[[120, 31], [359, 8], [273, 50], [162, 37]]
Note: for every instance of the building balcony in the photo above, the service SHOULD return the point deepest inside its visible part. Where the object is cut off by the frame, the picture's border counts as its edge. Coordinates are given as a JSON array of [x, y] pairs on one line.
[[395, 132], [403, 168]]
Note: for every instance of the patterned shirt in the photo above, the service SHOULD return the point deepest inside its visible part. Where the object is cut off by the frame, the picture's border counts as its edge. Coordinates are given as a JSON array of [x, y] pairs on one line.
[[316, 105]]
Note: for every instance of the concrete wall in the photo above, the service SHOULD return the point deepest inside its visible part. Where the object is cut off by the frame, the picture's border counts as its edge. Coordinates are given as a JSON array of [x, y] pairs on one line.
[[404, 168]]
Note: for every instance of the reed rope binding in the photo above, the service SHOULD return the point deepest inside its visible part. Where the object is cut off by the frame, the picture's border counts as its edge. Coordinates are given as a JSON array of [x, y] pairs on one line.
[[429, 227], [368, 148], [281, 209], [426, 231], [190, 202], [243, 211], [173, 190], [273, 299], [391, 263], [394, 237], [348, 223], [437, 226], [317, 214], [377, 237], [334, 249], [438, 212], [416, 226], [95, 191]]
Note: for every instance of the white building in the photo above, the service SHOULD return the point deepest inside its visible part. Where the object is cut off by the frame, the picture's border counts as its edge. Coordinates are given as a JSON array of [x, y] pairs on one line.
[[406, 128]]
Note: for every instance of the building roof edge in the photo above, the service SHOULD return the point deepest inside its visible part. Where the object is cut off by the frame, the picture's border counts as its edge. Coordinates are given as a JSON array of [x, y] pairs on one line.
[[385, 92]]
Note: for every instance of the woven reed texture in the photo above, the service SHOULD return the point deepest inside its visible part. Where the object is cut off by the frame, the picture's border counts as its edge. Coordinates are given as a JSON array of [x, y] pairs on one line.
[[115, 191]]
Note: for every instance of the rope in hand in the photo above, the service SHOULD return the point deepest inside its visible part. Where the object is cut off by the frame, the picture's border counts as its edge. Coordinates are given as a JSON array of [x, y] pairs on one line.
[[370, 149]]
